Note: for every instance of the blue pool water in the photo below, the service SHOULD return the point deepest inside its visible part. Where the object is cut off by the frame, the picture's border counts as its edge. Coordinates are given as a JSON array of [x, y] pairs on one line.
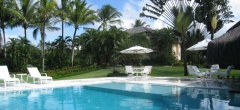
[[120, 96]]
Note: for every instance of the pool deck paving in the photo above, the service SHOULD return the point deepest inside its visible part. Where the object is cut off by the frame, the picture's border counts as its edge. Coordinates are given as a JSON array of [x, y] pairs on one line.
[[229, 84]]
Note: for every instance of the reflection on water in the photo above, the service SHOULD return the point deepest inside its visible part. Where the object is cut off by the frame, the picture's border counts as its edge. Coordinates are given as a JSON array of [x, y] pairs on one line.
[[196, 98], [191, 98], [75, 98]]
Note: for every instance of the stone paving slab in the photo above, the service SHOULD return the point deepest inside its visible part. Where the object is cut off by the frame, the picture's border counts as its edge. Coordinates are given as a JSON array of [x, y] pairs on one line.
[[185, 82]]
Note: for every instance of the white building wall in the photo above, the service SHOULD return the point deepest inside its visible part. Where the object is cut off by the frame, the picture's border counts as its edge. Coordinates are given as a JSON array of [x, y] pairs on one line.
[[176, 48]]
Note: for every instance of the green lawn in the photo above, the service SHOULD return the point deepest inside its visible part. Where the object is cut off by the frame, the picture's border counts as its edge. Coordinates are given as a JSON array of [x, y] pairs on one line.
[[94, 74], [168, 71], [158, 71]]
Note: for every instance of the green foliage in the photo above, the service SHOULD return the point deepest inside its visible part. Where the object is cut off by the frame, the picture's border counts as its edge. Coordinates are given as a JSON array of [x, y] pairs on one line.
[[179, 15], [195, 57], [70, 71], [139, 23], [99, 46], [208, 9], [131, 59], [116, 71], [178, 63], [17, 59], [58, 52], [108, 15], [162, 41], [80, 14]]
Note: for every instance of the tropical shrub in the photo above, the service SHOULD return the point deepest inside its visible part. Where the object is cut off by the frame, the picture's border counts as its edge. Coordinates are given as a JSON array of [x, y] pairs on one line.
[[70, 71]]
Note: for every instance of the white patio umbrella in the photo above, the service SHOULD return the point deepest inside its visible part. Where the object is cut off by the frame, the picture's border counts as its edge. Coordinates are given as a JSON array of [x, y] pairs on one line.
[[202, 45], [136, 50]]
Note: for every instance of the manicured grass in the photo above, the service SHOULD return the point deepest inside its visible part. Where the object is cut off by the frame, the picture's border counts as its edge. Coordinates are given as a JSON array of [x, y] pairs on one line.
[[168, 71], [159, 71], [24, 78], [94, 74]]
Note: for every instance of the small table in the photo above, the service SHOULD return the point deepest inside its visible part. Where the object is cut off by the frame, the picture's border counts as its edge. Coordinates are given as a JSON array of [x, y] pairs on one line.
[[212, 72], [137, 70], [21, 75]]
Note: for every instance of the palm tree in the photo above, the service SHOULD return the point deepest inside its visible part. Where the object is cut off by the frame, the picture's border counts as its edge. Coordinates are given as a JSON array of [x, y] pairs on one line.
[[182, 23], [27, 8], [139, 23], [55, 57], [16, 57], [62, 12], [7, 14], [217, 11], [44, 20], [80, 14], [178, 14], [108, 15]]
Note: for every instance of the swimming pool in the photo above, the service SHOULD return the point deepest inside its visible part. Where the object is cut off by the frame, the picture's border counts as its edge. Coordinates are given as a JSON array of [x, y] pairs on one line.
[[119, 96]]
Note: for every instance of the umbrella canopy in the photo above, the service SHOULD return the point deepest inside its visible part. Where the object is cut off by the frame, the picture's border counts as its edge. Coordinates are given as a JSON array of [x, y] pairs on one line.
[[136, 50], [202, 45]]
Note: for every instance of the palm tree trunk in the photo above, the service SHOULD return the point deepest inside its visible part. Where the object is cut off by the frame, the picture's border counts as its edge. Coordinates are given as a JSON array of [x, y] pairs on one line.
[[73, 41], [212, 34], [43, 47], [62, 30], [62, 44], [0, 39], [25, 41], [4, 41], [184, 55], [25, 32]]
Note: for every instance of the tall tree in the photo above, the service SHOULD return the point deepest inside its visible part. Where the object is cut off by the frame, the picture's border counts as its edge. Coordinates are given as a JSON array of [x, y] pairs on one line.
[[27, 8], [80, 14], [178, 14], [108, 15], [217, 11], [43, 20], [7, 14], [55, 57], [100, 45], [62, 12], [140, 23], [16, 56]]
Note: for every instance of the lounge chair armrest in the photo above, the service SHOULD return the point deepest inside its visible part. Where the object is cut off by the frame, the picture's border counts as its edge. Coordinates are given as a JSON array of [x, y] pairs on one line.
[[44, 74]]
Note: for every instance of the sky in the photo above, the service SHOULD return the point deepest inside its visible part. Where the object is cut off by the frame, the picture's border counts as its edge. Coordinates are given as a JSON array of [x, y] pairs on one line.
[[130, 10]]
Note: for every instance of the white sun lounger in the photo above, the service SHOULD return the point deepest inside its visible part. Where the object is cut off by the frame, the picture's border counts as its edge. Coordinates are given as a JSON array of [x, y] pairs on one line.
[[5, 76], [146, 71], [35, 74], [129, 71], [193, 70], [227, 72]]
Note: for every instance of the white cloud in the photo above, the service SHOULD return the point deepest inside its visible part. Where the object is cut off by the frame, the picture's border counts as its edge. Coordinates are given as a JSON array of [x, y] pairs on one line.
[[131, 12], [133, 8], [8, 36], [157, 24]]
